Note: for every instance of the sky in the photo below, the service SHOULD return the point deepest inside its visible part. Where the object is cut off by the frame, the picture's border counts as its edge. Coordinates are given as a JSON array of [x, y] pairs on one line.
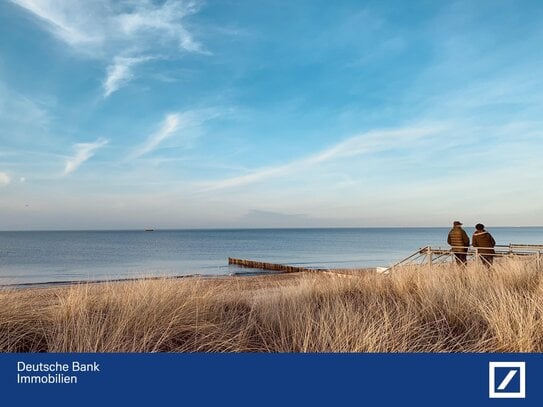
[[128, 114]]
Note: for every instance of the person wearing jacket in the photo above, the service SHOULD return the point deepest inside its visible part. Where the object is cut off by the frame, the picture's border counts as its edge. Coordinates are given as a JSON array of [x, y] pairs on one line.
[[459, 240], [484, 240]]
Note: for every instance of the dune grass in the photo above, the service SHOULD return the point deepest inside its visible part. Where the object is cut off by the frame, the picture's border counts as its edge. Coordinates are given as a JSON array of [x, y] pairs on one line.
[[415, 309]]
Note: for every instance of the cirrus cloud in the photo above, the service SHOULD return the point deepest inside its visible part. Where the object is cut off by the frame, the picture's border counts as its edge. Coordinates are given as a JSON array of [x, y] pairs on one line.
[[172, 125], [124, 33], [120, 72], [83, 151], [365, 143]]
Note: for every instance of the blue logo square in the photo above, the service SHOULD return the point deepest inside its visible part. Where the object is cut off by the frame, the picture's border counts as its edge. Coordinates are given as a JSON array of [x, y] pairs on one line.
[[507, 379]]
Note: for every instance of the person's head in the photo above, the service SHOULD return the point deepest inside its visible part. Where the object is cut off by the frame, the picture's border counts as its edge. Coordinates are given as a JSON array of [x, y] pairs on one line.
[[457, 223], [480, 226]]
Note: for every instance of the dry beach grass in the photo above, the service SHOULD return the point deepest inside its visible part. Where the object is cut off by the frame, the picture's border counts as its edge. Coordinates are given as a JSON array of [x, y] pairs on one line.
[[416, 309]]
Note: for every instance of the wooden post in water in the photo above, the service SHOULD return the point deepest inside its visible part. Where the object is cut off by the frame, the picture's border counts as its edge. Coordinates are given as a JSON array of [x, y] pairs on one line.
[[268, 266]]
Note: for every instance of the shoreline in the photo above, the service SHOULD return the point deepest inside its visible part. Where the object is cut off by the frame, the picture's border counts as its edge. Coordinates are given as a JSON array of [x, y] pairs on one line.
[[258, 273], [68, 283], [414, 309]]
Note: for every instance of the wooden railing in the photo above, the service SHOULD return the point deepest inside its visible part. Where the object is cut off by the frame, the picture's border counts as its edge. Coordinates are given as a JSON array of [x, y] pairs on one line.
[[438, 255]]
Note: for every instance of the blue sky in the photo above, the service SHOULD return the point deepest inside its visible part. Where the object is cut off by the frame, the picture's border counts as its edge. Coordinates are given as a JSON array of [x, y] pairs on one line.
[[187, 114]]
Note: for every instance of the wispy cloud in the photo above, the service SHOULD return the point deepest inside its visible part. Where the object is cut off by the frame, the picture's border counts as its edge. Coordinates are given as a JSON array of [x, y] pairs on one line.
[[366, 143], [125, 32], [110, 25], [164, 20], [4, 179], [120, 73], [83, 151], [168, 127], [172, 125], [70, 21]]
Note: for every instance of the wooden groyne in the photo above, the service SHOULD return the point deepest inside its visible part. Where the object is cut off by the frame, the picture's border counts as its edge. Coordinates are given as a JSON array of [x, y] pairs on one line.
[[282, 268]]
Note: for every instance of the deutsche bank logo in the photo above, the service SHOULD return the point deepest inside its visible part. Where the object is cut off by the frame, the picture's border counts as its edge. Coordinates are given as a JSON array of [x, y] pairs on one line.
[[507, 380]]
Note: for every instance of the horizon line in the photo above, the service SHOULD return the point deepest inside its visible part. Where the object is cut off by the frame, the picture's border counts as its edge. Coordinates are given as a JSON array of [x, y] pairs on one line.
[[254, 228]]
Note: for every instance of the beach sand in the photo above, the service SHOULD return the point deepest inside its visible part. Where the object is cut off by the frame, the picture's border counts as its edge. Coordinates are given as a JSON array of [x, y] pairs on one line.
[[415, 309]]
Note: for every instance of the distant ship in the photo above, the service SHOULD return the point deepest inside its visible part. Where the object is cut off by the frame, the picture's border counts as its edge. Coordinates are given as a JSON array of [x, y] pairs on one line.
[[149, 230]]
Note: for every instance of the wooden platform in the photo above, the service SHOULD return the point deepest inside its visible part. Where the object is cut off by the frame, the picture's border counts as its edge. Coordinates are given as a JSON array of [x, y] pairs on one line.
[[437, 255], [425, 255]]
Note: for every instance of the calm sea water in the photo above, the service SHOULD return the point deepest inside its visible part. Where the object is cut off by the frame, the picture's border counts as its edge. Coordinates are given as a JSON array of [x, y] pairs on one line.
[[39, 257]]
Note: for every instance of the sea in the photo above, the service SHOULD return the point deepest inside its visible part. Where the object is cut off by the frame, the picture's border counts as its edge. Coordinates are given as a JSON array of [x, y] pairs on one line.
[[52, 257]]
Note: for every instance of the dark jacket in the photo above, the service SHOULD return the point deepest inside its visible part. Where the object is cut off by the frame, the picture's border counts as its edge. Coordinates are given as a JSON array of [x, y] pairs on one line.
[[458, 239], [481, 238]]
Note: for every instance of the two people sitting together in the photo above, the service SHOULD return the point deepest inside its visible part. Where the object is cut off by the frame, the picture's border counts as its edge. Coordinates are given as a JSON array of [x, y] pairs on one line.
[[481, 239]]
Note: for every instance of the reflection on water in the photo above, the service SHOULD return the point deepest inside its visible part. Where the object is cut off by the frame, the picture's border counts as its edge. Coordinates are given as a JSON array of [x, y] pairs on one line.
[[36, 257]]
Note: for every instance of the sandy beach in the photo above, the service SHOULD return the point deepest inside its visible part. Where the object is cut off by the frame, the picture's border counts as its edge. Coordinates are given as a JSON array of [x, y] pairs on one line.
[[415, 309]]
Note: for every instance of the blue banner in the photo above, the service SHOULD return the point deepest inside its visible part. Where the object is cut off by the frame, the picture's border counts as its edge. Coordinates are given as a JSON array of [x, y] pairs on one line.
[[271, 379]]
